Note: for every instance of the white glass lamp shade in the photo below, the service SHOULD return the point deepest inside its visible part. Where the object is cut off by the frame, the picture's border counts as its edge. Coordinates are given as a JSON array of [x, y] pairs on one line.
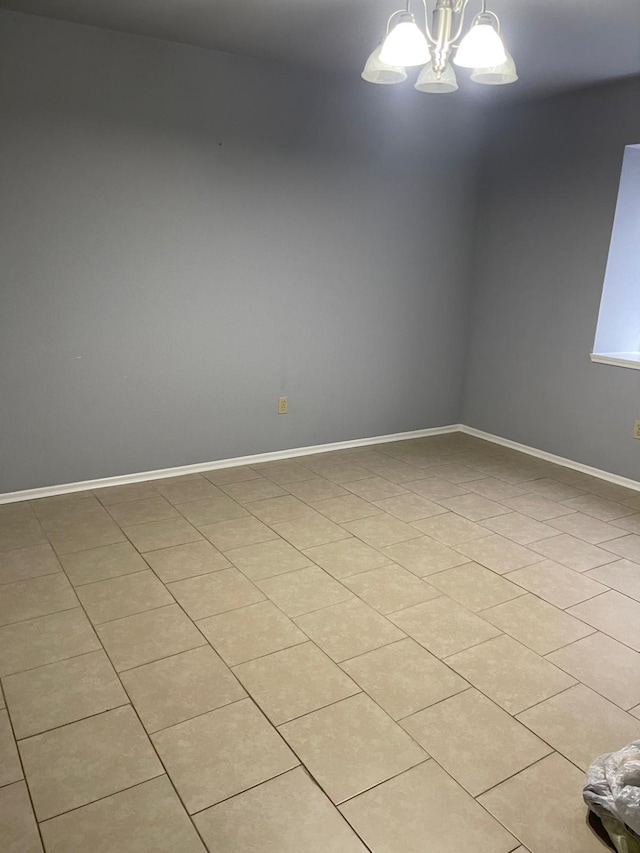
[[377, 72], [481, 48], [499, 75], [406, 44], [428, 81]]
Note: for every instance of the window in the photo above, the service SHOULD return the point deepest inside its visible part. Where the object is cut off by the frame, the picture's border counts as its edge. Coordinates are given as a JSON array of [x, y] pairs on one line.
[[618, 333]]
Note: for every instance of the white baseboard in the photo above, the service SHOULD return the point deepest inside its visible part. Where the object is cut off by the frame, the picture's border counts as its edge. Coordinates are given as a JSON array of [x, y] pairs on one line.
[[163, 473], [125, 479], [551, 457]]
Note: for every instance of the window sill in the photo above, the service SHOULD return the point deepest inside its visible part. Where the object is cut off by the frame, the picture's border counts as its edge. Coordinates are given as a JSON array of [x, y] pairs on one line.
[[618, 359]]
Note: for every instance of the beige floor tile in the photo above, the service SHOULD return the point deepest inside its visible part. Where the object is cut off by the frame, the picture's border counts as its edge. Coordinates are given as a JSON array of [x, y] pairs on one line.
[[443, 627], [630, 523], [586, 527], [348, 629], [149, 636], [450, 529], [435, 488], [64, 510], [603, 727], [36, 597], [316, 489], [538, 507], [498, 554], [21, 532], [474, 507], [124, 596], [222, 753], [179, 490], [397, 472], [424, 556], [351, 746], [287, 814], [222, 476], [519, 528], [573, 553], [284, 472], [375, 489], [180, 687], [237, 533], [61, 693], [598, 507], [347, 508], [310, 530], [10, 769], [495, 490], [15, 511], [604, 665], [475, 587], [456, 472], [390, 588], [186, 561], [85, 761], [211, 510], [99, 564], [613, 614], [553, 489], [148, 817], [253, 490], [342, 472], [162, 534], [556, 583], [381, 530], [475, 741], [24, 563], [547, 789], [119, 494], [250, 632], [275, 510], [425, 810], [539, 625], [404, 678], [627, 546], [623, 576], [347, 557], [207, 595], [294, 681], [144, 511], [410, 507], [25, 645], [509, 673], [301, 592], [85, 535], [18, 828], [266, 559]]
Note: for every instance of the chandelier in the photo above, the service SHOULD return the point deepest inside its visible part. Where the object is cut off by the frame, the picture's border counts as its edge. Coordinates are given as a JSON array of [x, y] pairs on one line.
[[405, 44]]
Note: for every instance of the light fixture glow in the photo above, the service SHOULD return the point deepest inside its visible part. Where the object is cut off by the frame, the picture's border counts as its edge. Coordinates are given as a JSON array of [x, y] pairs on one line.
[[429, 81], [384, 75], [481, 48], [439, 43], [499, 75], [405, 45]]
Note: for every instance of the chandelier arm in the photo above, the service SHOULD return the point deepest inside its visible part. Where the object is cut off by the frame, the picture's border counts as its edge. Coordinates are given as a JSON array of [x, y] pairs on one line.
[[392, 16], [426, 23], [463, 9]]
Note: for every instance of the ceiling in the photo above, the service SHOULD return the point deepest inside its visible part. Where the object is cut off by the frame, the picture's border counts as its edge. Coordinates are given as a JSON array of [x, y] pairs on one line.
[[557, 44]]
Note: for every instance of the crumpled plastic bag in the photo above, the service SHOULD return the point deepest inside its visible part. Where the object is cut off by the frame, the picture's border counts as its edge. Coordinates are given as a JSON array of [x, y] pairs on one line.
[[612, 792]]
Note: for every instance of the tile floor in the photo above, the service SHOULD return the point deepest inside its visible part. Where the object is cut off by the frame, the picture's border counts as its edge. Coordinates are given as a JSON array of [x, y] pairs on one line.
[[416, 647]]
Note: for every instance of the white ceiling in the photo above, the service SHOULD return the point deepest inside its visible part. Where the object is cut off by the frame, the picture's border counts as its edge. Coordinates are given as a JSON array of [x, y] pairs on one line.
[[556, 43]]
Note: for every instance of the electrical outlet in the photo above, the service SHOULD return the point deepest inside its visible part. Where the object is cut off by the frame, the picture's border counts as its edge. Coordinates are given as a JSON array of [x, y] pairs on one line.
[[636, 429], [283, 407]]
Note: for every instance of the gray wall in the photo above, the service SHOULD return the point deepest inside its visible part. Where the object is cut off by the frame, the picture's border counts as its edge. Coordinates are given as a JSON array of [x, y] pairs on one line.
[[187, 235], [549, 187]]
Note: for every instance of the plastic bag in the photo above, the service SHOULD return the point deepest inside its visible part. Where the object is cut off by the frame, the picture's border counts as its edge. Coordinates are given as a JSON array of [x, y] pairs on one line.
[[612, 792]]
